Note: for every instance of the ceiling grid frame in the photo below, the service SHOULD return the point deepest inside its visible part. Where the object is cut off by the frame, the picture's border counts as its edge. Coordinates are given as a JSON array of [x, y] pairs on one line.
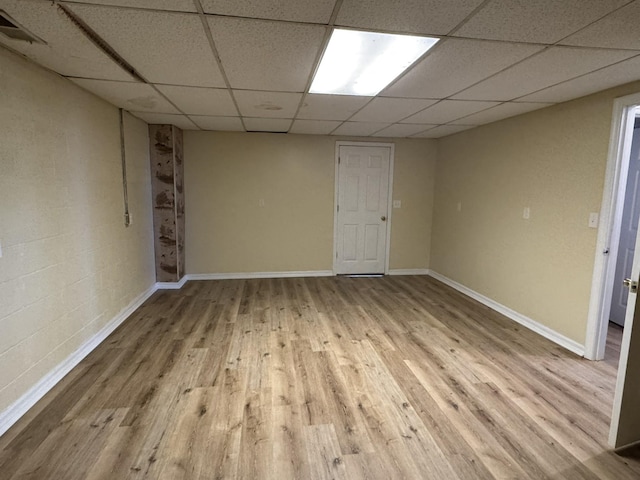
[[620, 57]]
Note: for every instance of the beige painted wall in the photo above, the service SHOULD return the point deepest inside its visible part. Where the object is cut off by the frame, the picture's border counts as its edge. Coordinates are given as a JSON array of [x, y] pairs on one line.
[[69, 265], [228, 173], [551, 160]]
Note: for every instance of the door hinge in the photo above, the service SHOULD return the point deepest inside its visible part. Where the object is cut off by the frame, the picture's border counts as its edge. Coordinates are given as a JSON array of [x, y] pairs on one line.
[[338, 207], [338, 160]]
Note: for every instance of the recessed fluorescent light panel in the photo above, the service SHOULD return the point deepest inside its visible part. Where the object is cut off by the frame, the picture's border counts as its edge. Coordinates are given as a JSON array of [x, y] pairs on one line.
[[363, 63]]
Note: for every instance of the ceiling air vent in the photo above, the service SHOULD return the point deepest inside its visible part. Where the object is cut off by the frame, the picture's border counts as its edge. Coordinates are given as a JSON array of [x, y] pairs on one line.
[[12, 29]]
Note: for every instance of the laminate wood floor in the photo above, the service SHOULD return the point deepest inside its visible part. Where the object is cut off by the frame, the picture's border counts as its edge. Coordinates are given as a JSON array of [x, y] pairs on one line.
[[321, 378], [614, 342]]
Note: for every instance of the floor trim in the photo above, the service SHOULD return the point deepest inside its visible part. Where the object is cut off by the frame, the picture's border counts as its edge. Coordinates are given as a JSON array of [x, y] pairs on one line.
[[172, 285], [631, 448], [16, 410], [523, 320], [249, 275], [409, 271]]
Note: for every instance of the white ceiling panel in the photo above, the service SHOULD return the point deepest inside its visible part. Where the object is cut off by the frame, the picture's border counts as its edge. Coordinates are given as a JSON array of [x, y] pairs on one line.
[[447, 111], [330, 107], [433, 17], [267, 124], [267, 104], [136, 97], [539, 21], [443, 131], [359, 129], [390, 109], [314, 127], [229, 124], [617, 30], [271, 56], [618, 74], [179, 121], [499, 112], [455, 64], [200, 101], [399, 130], [168, 48], [173, 5], [67, 51], [552, 66], [313, 11]]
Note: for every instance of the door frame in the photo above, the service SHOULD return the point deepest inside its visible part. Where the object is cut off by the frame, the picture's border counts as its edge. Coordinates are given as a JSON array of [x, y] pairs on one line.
[[391, 147], [607, 242]]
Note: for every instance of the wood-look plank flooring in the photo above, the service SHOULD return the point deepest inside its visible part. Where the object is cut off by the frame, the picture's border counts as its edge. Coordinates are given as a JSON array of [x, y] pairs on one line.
[[321, 378], [614, 342]]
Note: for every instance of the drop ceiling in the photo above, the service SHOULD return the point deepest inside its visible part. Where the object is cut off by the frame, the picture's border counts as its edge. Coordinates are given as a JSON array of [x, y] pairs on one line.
[[242, 65]]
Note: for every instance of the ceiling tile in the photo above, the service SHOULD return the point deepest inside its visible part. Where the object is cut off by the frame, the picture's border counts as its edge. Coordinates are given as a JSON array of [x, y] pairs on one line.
[[179, 121], [455, 64], [267, 104], [314, 11], [200, 101], [499, 112], [614, 75], [399, 130], [552, 66], [173, 5], [617, 30], [168, 48], [67, 51], [314, 127], [230, 124], [137, 97], [433, 17], [443, 131], [267, 124], [540, 21], [330, 107], [359, 129], [447, 111], [390, 109], [271, 56]]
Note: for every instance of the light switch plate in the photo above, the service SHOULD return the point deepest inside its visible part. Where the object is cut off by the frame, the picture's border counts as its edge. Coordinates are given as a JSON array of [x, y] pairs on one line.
[[593, 220], [397, 204], [526, 213], [459, 206]]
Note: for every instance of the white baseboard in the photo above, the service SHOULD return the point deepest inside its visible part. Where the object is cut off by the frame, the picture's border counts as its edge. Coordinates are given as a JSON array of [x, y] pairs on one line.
[[523, 320], [248, 275], [13, 413], [172, 285], [409, 271]]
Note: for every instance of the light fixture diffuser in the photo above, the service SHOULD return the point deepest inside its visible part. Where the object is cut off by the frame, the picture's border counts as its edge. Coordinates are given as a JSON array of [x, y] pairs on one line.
[[363, 63]]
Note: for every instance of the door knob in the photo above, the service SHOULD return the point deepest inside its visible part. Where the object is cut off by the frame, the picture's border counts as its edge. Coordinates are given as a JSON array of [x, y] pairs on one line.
[[631, 285], [383, 218]]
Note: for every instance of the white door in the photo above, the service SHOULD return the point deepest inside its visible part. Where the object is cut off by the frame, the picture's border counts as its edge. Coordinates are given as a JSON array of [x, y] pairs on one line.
[[362, 210], [628, 232], [625, 418]]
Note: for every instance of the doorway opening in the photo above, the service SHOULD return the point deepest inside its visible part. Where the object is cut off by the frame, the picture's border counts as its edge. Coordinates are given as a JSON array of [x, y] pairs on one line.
[[629, 199], [614, 296], [617, 233]]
